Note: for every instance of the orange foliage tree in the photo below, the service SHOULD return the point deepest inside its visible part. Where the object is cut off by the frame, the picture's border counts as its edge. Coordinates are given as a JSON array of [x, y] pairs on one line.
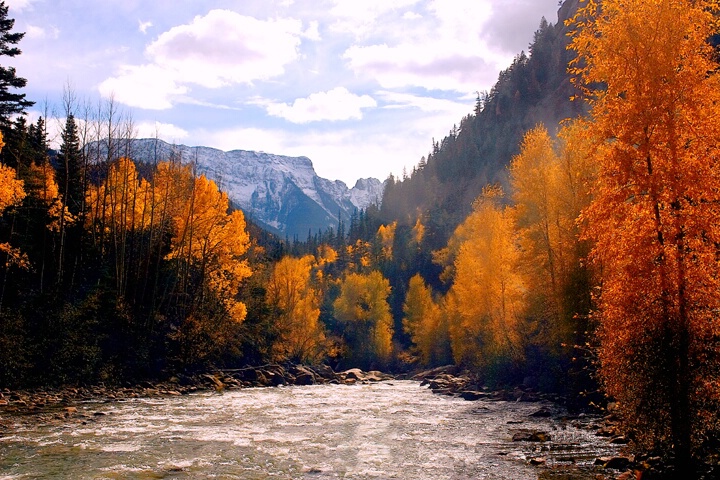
[[11, 194], [655, 95]]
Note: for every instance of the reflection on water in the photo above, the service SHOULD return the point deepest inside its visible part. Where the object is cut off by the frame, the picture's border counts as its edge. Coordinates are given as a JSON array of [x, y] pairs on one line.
[[385, 430]]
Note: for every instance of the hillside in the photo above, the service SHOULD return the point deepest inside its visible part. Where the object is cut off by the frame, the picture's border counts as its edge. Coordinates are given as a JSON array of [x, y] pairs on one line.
[[535, 88]]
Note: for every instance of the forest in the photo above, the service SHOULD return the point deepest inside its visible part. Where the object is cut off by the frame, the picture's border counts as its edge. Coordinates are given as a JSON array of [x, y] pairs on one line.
[[579, 255]]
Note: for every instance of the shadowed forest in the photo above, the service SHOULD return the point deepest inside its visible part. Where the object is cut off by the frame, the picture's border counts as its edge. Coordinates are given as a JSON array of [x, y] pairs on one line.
[[564, 236]]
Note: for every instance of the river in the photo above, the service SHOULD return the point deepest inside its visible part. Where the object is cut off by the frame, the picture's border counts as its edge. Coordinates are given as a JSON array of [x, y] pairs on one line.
[[373, 431]]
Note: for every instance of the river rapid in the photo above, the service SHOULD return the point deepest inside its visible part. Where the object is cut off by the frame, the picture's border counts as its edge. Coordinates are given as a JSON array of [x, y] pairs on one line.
[[367, 431]]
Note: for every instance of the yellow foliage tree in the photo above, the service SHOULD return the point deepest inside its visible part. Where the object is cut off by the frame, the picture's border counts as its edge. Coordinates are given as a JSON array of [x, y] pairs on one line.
[[118, 204], [549, 191], [12, 193], [290, 293], [213, 242], [362, 306], [425, 323], [488, 292], [386, 236], [11, 188], [654, 217]]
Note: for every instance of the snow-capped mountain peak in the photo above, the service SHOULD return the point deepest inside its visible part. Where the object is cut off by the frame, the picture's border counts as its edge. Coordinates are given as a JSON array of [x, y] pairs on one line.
[[279, 192]]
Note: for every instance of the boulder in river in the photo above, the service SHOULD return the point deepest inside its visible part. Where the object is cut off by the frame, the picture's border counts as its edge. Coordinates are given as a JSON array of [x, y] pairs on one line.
[[544, 412], [616, 463], [471, 395], [531, 436]]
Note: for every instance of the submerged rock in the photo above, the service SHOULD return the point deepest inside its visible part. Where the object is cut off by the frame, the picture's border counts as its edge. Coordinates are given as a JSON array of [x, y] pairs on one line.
[[531, 436]]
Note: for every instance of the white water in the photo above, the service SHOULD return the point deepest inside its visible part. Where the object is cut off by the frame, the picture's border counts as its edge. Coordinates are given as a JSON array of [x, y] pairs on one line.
[[376, 431]]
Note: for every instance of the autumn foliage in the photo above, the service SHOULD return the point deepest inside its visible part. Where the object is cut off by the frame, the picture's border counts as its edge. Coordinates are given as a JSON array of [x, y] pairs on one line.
[[651, 77]]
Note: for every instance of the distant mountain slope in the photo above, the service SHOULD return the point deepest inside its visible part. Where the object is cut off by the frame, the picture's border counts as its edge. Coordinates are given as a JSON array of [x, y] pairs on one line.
[[535, 88], [281, 193]]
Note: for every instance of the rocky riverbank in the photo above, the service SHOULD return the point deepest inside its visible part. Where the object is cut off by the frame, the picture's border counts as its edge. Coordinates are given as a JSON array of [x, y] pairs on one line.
[[65, 399], [59, 404], [449, 380]]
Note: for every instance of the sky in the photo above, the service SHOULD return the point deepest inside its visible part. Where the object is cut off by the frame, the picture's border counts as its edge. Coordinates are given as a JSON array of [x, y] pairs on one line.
[[361, 87]]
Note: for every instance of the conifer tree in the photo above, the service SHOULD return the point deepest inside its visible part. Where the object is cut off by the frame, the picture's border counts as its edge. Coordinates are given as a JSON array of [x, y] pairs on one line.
[[10, 102], [71, 174]]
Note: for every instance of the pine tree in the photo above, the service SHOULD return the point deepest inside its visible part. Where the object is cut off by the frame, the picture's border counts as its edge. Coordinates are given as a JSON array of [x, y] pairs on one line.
[[10, 102], [71, 175]]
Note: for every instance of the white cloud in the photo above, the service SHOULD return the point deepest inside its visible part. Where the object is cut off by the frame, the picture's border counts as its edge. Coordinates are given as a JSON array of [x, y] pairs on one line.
[[442, 50], [359, 17], [422, 66], [312, 32], [224, 47], [411, 16], [424, 104], [218, 49], [336, 104], [34, 32], [145, 86], [19, 5], [143, 26], [164, 131]]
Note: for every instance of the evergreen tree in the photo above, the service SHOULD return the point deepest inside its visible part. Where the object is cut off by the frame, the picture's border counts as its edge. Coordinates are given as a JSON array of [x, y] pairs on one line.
[[10, 102], [70, 168]]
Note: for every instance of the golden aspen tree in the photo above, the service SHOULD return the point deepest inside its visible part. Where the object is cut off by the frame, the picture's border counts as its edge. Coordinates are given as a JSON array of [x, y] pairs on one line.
[[118, 211], [652, 79], [386, 236], [296, 303], [363, 308], [549, 190], [326, 255], [213, 242], [12, 193], [425, 323], [487, 291], [418, 233]]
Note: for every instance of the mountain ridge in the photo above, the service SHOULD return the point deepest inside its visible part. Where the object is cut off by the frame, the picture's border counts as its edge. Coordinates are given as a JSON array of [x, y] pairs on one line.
[[283, 194]]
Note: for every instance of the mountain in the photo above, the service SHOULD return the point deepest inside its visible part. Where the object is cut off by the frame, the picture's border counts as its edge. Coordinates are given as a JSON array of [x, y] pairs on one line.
[[535, 88], [283, 194]]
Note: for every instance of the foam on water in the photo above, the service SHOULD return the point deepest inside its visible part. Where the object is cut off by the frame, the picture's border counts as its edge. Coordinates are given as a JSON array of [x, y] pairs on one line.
[[386, 430]]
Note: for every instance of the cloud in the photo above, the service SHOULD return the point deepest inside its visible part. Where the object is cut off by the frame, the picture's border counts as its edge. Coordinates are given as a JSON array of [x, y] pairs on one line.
[[407, 65], [395, 100], [411, 16], [336, 104], [359, 17], [19, 5], [34, 32], [312, 32], [440, 50], [218, 49], [506, 21], [143, 26], [224, 47], [164, 131], [145, 86]]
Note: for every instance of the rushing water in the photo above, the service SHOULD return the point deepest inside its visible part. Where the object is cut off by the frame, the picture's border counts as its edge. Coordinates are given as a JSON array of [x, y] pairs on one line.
[[383, 430]]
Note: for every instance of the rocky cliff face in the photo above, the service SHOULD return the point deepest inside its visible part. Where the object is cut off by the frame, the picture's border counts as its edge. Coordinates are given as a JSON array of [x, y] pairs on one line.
[[281, 193]]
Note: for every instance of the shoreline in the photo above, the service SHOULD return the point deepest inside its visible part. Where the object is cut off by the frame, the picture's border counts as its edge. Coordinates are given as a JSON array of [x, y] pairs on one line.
[[62, 404]]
